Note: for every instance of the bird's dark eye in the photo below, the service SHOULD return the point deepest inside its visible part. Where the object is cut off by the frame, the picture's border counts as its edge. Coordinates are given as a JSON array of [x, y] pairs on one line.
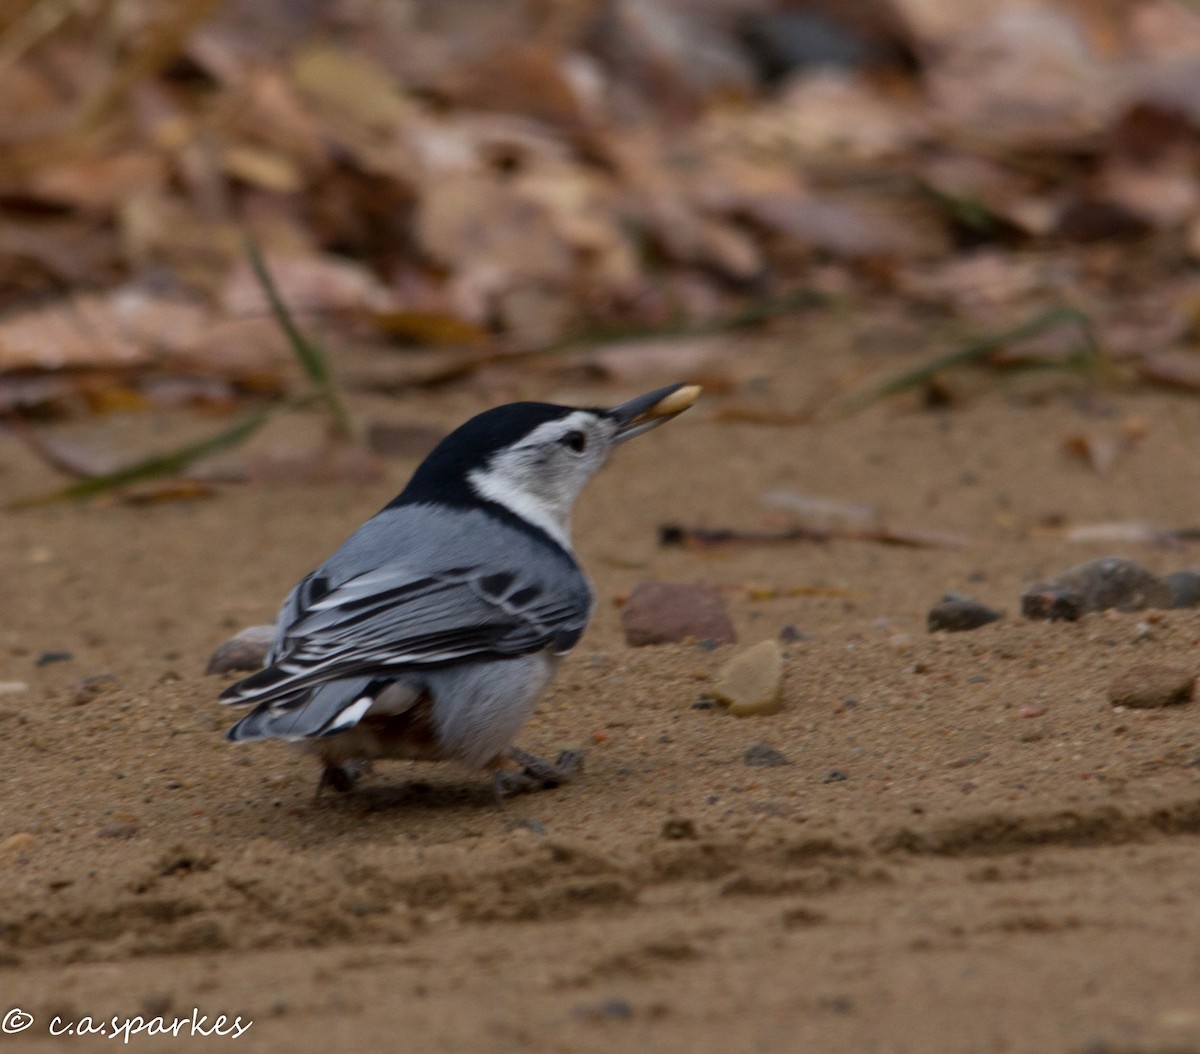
[[577, 441]]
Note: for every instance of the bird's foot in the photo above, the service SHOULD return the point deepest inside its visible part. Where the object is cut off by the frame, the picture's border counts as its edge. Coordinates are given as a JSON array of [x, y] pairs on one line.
[[534, 773], [342, 776]]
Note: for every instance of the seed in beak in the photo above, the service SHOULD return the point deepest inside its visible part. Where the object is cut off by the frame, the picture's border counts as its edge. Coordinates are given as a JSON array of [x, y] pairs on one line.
[[675, 403]]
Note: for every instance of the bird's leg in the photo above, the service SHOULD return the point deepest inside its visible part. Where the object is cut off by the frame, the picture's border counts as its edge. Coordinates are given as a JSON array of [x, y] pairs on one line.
[[340, 777], [534, 773]]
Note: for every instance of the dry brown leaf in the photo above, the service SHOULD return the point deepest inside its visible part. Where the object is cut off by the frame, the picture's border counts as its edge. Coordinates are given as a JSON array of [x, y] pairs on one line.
[[86, 330], [428, 328], [1172, 369], [99, 184], [1099, 451], [306, 284], [529, 79], [634, 361], [350, 87], [263, 168], [1022, 75], [1117, 532], [491, 239], [171, 490], [826, 112]]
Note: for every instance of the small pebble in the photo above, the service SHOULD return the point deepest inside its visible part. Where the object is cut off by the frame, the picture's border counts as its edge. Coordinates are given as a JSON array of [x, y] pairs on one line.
[[1110, 582], [1031, 711], [1185, 588], [92, 688], [47, 658], [246, 651], [617, 1009], [668, 612], [16, 843], [762, 756], [13, 687], [1149, 685], [955, 614], [752, 681], [679, 829], [835, 776]]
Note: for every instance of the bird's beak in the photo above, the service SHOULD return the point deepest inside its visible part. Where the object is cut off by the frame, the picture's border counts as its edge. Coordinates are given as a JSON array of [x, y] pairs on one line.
[[652, 409]]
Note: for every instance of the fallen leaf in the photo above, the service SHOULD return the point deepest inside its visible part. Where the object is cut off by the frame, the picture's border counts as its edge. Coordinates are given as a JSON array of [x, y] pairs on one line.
[[308, 283], [429, 328], [633, 361], [1099, 451], [812, 506], [171, 490], [1172, 369]]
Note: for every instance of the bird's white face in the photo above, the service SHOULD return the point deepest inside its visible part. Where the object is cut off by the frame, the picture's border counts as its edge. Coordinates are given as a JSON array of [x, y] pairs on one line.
[[540, 477]]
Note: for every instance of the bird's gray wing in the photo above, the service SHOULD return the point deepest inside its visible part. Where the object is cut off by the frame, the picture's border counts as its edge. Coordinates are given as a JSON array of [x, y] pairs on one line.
[[394, 617]]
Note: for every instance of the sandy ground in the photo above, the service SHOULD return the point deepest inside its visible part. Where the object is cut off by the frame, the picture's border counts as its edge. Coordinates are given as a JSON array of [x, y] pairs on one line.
[[980, 880]]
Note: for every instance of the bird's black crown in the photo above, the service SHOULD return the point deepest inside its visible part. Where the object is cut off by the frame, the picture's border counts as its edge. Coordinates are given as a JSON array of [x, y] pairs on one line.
[[442, 476]]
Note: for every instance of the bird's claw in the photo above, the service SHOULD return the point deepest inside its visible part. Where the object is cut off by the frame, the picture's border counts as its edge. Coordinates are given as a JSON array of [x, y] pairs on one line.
[[535, 774], [340, 777]]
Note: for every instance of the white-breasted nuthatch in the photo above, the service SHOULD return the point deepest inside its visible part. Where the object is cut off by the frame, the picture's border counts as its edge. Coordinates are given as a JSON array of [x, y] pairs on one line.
[[433, 630]]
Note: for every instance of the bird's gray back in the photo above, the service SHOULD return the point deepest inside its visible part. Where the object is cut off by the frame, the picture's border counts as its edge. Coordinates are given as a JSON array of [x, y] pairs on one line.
[[431, 538]]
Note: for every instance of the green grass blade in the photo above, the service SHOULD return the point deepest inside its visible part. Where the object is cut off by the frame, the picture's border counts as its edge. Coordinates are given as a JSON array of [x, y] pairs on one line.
[[311, 356], [978, 350], [155, 467]]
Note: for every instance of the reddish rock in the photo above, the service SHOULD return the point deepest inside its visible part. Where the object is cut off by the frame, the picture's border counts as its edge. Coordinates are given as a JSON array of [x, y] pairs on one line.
[[667, 612]]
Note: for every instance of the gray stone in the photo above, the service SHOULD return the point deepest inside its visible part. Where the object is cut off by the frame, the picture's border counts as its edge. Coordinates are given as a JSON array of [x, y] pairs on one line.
[[762, 756], [1149, 685], [1185, 589], [1110, 582], [247, 651], [955, 614]]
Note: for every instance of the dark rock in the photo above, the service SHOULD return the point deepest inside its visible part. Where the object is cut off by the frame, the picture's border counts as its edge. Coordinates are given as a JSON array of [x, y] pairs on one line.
[[762, 756], [1110, 582], [954, 614], [835, 776], [1185, 589], [679, 829], [49, 657], [1149, 685], [666, 613], [91, 688], [614, 1009], [247, 651]]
